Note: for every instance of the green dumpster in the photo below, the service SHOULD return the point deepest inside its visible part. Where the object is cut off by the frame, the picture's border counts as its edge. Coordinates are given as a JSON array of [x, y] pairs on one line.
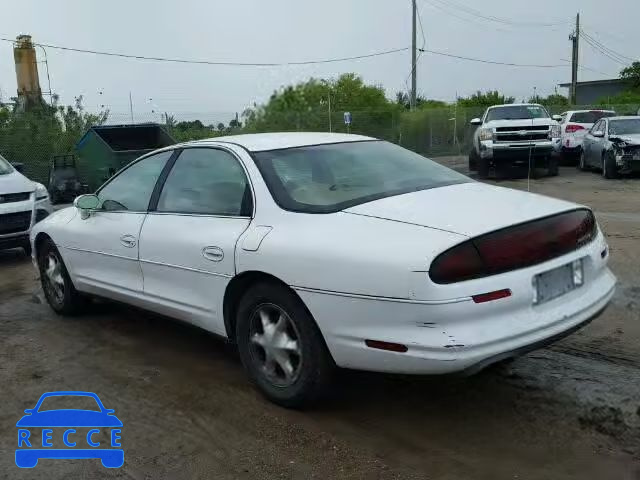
[[105, 149]]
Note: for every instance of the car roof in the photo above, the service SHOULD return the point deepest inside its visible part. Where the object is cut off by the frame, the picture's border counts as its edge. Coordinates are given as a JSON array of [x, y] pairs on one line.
[[516, 105], [259, 142], [628, 117], [591, 110]]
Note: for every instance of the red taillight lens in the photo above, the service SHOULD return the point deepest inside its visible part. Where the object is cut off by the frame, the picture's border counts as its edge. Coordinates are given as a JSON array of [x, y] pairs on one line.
[[573, 128], [515, 247]]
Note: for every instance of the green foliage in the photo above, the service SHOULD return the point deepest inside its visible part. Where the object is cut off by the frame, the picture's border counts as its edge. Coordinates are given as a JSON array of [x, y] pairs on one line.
[[480, 99], [552, 100], [632, 75], [34, 136], [402, 99], [305, 107]]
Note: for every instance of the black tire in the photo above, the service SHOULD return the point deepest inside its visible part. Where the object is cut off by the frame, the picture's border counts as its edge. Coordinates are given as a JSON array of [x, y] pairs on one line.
[[473, 160], [552, 166], [63, 299], [609, 167], [483, 168], [312, 365], [582, 162]]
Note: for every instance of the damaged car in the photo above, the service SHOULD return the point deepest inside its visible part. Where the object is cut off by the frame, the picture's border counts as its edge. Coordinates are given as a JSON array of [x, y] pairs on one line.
[[612, 146]]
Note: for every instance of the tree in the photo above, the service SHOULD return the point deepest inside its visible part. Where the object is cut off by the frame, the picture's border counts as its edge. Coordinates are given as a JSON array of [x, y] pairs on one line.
[[403, 99], [480, 99], [305, 106], [631, 75], [220, 127], [552, 100]]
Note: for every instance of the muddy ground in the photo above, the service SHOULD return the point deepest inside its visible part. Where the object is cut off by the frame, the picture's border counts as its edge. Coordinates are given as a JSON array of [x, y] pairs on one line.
[[568, 411]]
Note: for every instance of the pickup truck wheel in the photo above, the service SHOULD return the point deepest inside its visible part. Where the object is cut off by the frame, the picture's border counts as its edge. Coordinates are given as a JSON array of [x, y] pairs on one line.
[[552, 166], [473, 160], [483, 168], [609, 167]]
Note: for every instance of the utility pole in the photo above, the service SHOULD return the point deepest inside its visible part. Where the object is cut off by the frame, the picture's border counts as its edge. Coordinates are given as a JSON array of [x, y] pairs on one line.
[[131, 107], [412, 100], [575, 42]]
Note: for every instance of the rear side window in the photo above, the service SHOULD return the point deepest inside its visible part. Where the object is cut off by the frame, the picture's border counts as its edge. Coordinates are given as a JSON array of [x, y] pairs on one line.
[[590, 117], [206, 181]]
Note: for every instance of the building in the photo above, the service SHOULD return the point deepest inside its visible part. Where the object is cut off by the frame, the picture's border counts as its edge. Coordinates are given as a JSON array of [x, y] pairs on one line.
[[590, 93]]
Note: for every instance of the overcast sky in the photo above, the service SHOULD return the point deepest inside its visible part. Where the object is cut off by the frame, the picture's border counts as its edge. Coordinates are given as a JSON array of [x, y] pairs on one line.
[[295, 30]]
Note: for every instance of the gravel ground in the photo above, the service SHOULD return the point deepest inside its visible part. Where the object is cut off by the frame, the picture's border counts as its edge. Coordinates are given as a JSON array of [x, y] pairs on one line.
[[569, 411]]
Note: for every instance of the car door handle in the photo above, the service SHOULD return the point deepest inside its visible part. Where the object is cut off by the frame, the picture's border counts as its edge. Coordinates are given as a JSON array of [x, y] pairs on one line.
[[215, 254], [128, 241]]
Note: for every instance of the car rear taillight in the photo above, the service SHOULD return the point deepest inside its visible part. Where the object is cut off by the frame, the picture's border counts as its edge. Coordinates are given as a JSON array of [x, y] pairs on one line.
[[572, 128], [515, 247]]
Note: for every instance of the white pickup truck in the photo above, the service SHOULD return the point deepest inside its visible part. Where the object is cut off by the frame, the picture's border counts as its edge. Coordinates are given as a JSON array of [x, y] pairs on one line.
[[515, 135]]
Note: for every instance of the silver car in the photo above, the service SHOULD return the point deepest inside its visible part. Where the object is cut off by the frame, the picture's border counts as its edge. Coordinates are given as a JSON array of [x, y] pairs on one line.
[[612, 146]]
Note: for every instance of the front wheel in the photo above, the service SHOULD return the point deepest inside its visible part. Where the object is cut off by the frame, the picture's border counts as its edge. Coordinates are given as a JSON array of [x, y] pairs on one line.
[[582, 163], [483, 168], [552, 166], [281, 346], [58, 289], [609, 167]]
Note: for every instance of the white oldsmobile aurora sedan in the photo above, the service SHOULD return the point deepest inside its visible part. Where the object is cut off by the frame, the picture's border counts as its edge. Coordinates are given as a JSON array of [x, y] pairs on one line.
[[314, 250]]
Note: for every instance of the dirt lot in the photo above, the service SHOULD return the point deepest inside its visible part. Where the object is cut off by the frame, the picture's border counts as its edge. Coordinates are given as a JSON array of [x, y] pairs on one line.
[[569, 411]]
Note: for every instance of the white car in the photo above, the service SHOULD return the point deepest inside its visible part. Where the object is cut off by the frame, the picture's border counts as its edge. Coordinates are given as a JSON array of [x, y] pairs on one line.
[[575, 125], [22, 204], [311, 250]]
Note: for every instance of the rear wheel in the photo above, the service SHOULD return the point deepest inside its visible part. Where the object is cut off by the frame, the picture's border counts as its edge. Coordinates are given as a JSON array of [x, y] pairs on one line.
[[609, 167], [281, 347], [60, 293]]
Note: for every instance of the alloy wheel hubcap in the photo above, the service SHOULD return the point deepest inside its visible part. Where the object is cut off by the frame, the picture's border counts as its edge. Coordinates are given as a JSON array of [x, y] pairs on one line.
[[53, 277], [275, 345]]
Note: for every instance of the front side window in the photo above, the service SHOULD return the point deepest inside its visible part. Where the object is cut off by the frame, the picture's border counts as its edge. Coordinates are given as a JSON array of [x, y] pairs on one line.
[[131, 190], [330, 178], [206, 181], [517, 112]]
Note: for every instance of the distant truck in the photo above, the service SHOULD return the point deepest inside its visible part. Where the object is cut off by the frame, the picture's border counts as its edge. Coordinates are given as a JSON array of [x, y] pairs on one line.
[[515, 135]]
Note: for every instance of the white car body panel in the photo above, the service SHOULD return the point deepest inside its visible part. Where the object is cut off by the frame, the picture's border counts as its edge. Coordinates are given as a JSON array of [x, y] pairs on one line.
[[468, 208], [362, 272], [574, 140], [13, 183]]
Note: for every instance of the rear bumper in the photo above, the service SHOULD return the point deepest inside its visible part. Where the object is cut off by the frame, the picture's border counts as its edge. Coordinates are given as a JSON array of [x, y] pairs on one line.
[[458, 335]]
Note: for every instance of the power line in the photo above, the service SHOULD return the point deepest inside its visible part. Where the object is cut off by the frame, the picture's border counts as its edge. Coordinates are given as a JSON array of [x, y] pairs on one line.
[[603, 51], [605, 48], [492, 62], [472, 21], [219, 63], [492, 18]]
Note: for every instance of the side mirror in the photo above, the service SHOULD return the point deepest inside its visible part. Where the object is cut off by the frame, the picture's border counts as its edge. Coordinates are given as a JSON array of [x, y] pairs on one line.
[[476, 121], [18, 166], [557, 118], [109, 411], [598, 134], [29, 410], [87, 202]]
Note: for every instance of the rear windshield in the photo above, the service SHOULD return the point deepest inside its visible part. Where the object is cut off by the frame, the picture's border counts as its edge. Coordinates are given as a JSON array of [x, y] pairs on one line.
[[624, 127], [517, 112], [330, 178], [590, 117]]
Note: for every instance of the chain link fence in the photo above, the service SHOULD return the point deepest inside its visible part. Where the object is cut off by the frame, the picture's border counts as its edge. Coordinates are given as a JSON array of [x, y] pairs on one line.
[[431, 132]]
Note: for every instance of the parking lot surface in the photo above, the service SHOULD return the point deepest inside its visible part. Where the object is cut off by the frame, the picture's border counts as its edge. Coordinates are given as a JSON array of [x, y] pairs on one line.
[[568, 411]]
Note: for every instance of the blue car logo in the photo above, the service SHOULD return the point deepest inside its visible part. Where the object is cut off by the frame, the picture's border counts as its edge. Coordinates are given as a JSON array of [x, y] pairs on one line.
[[80, 431]]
